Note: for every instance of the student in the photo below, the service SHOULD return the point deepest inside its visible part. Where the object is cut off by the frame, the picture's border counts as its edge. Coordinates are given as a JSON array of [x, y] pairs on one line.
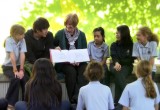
[[121, 54], [143, 93], [146, 47], [13, 66], [71, 38], [43, 91], [95, 96], [39, 40], [99, 51]]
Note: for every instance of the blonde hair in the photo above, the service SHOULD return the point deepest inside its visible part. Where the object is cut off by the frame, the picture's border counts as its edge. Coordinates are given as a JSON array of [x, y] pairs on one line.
[[150, 35], [17, 30], [94, 71], [144, 70], [72, 18]]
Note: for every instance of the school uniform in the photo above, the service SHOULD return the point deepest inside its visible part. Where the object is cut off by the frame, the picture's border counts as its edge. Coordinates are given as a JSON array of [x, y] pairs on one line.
[[73, 74], [97, 54], [134, 97], [95, 96], [145, 52], [122, 55], [13, 90]]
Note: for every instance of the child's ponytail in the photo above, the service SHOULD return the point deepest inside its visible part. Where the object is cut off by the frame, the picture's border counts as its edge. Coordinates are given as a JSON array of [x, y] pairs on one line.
[[144, 70], [149, 86]]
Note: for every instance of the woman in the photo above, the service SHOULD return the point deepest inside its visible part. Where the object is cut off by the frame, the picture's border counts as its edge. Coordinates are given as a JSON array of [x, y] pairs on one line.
[[43, 91], [121, 53], [67, 39], [146, 97]]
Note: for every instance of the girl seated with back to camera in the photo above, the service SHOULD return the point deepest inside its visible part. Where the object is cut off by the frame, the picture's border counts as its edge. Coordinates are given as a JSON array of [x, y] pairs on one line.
[[43, 91]]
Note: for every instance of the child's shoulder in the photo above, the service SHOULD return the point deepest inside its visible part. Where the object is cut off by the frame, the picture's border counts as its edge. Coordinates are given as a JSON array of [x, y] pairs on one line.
[[105, 87], [114, 44], [153, 43], [9, 39], [91, 43], [83, 88], [133, 85], [136, 43], [105, 45]]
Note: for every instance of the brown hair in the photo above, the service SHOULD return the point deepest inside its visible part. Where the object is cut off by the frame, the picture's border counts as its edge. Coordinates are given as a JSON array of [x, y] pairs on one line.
[[151, 36], [144, 69], [73, 18], [17, 29], [94, 71]]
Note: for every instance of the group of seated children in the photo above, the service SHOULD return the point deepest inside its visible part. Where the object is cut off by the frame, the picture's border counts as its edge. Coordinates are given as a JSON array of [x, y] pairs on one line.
[[43, 92]]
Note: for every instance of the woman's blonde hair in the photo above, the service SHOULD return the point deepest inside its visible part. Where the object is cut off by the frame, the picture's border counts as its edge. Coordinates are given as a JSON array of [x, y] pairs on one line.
[[144, 70], [94, 71], [72, 18], [17, 29], [150, 35]]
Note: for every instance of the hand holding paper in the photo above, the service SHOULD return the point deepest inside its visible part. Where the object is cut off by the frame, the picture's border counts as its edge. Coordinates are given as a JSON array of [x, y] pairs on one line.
[[77, 55]]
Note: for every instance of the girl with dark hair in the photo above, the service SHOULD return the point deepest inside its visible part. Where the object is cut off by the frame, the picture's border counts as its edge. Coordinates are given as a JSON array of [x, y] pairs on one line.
[[121, 53], [43, 91], [146, 97], [99, 51]]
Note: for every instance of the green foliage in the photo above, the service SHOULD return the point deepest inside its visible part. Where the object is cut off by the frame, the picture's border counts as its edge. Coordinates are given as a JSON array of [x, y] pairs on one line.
[[94, 13]]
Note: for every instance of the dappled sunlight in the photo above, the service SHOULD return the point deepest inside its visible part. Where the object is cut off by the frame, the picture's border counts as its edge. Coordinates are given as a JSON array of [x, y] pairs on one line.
[[92, 13]]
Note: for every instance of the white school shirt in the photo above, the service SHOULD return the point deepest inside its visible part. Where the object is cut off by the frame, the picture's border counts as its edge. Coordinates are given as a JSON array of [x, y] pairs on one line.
[[134, 97], [98, 53], [95, 96], [17, 48], [145, 52]]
